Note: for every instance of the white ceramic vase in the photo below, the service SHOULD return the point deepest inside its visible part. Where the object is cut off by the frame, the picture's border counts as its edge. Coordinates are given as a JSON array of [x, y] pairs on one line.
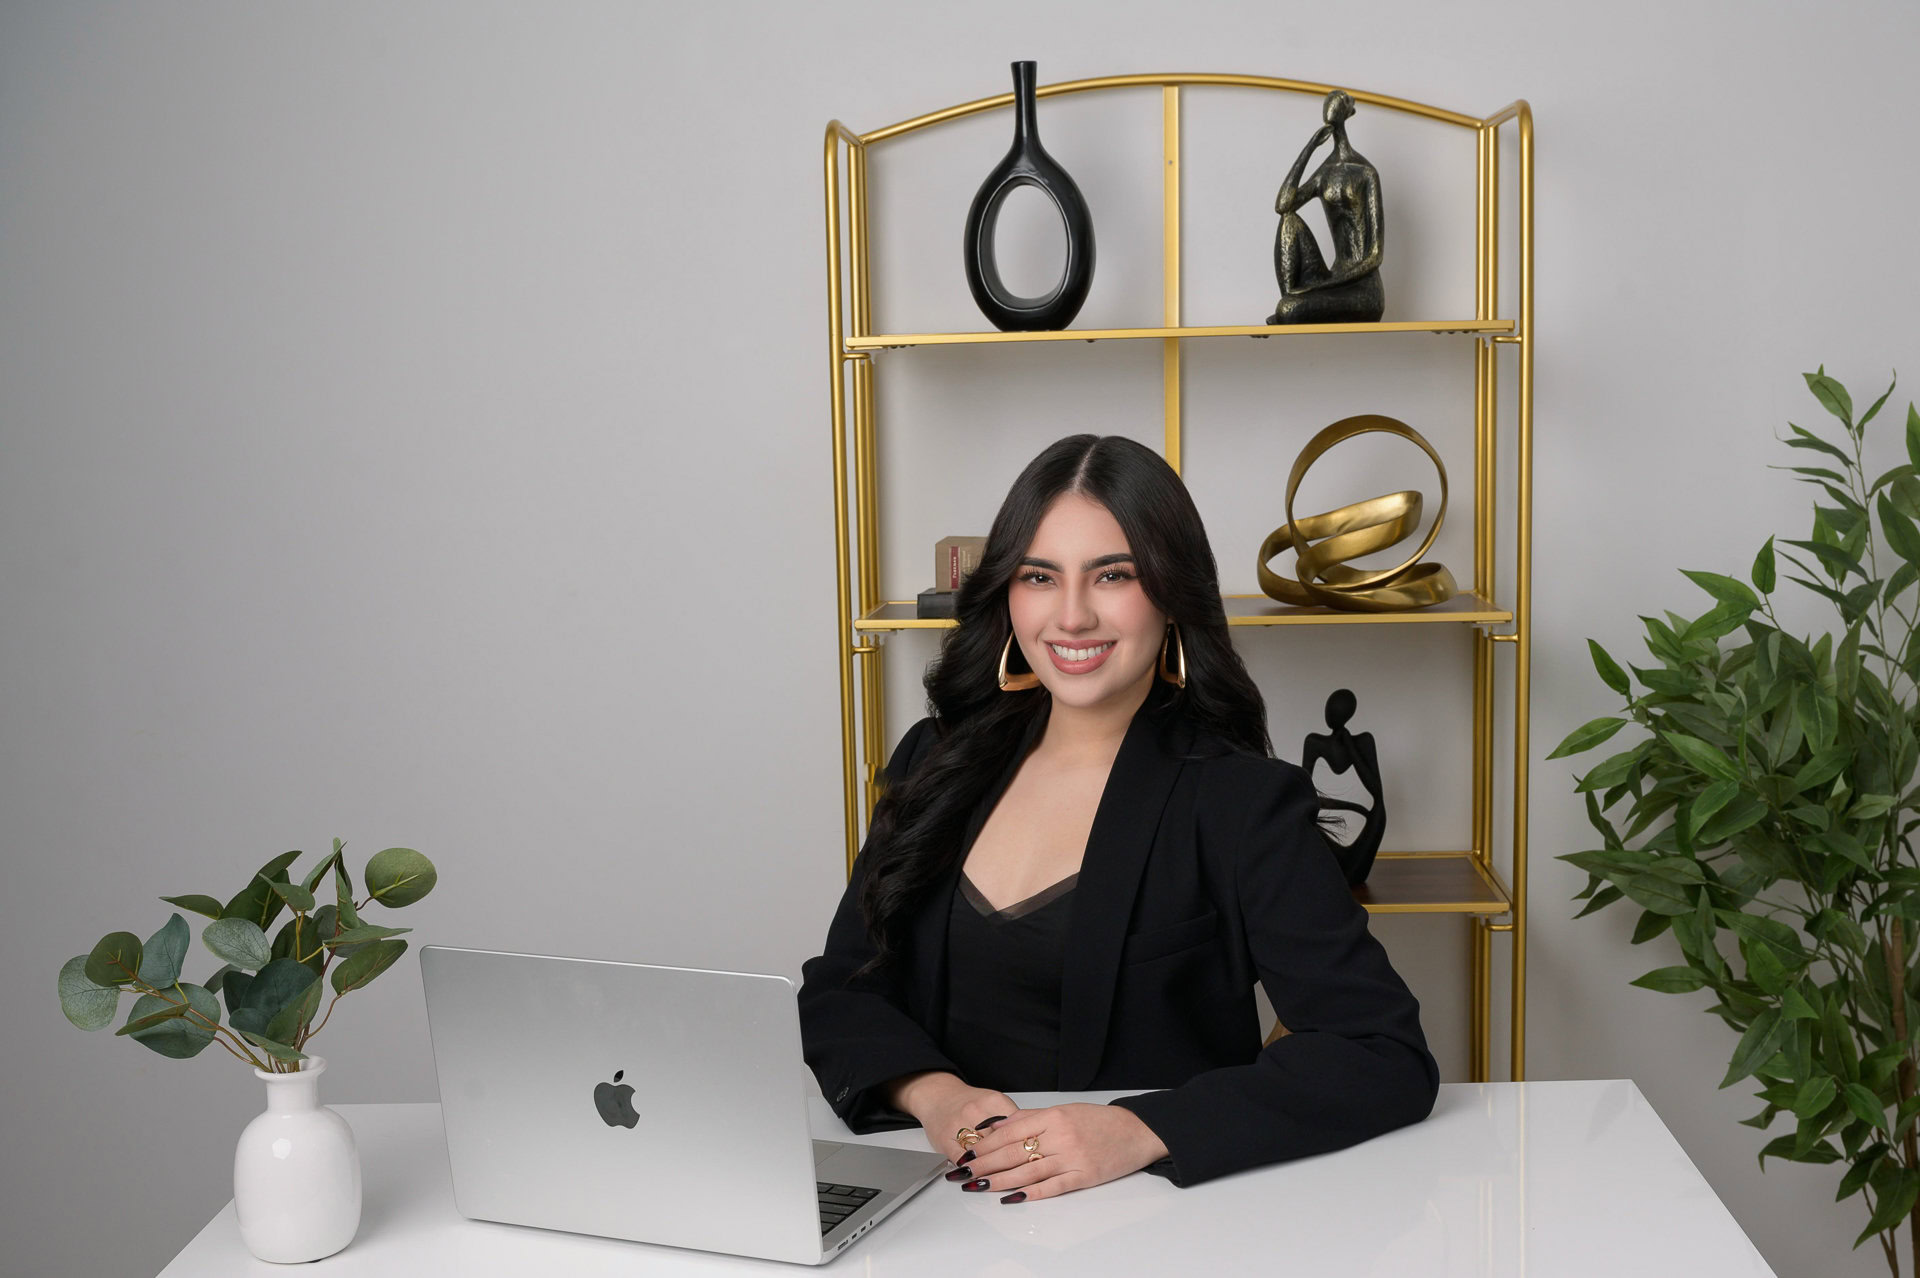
[[296, 1172]]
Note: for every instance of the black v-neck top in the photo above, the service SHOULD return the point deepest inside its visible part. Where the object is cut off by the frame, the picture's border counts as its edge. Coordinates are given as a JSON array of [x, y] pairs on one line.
[[1003, 987]]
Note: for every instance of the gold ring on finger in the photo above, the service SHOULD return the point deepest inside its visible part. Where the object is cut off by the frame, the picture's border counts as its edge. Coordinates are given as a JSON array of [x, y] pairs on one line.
[[966, 1138], [1032, 1145]]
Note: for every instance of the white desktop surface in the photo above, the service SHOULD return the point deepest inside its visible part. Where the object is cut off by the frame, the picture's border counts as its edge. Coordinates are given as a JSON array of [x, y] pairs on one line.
[[1528, 1180]]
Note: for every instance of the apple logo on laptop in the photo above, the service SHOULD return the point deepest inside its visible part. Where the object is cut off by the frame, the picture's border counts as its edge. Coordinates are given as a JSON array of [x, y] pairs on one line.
[[615, 1102]]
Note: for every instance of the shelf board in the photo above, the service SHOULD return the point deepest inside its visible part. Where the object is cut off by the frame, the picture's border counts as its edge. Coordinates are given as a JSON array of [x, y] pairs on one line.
[[887, 341], [1245, 610], [1431, 883]]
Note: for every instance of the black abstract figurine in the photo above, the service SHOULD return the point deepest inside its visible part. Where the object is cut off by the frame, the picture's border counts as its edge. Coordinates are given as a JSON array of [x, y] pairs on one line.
[[1348, 188], [1028, 164], [1343, 751]]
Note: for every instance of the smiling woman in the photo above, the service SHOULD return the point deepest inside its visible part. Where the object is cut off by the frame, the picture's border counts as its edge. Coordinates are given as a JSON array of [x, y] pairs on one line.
[[1081, 864]]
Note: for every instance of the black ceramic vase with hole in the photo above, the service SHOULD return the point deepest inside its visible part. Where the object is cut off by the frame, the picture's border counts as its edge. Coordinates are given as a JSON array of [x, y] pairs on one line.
[[1028, 164]]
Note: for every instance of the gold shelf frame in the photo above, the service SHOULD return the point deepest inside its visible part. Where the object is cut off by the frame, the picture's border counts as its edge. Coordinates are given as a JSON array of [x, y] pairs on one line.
[[1460, 882]]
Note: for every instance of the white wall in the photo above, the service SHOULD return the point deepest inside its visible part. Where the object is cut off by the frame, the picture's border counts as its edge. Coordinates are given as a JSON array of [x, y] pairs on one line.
[[413, 428]]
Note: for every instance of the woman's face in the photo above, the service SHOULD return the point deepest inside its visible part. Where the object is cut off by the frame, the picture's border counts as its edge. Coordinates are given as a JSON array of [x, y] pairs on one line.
[[1080, 615]]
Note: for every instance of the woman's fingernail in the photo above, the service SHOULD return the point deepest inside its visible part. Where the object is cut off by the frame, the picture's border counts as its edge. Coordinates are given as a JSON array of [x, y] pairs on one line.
[[959, 1173], [974, 1186], [965, 1158], [1017, 1196], [997, 1118]]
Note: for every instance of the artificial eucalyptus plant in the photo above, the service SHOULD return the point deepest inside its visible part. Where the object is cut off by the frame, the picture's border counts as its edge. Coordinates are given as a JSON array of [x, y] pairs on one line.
[[1765, 819], [272, 987]]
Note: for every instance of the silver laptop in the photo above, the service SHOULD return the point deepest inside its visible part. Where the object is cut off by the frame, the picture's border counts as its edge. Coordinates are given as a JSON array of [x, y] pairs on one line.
[[658, 1104]]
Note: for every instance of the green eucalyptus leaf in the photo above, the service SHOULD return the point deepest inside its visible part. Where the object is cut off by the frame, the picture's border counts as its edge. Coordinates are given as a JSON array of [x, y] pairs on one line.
[[287, 1022], [174, 1029], [213, 983], [233, 986], [355, 972], [1671, 980], [195, 902], [115, 959], [364, 933], [312, 882], [343, 892], [164, 952], [293, 894], [279, 1051], [257, 902], [280, 983], [238, 941], [1610, 672], [86, 1003], [399, 876]]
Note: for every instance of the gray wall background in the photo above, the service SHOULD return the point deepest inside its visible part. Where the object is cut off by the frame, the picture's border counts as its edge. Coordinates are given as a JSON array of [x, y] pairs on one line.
[[413, 427]]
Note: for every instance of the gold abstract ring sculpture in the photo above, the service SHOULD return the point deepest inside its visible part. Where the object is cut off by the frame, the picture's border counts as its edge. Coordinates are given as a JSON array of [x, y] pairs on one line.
[[1322, 544]]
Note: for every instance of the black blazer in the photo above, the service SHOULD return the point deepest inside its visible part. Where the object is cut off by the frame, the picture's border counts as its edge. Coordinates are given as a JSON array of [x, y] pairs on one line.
[[1200, 876]]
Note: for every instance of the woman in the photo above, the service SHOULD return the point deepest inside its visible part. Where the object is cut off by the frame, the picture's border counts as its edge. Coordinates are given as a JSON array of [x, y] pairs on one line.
[[1082, 862]]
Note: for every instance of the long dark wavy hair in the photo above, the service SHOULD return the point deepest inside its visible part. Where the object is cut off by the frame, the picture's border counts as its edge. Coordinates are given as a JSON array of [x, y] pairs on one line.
[[914, 837]]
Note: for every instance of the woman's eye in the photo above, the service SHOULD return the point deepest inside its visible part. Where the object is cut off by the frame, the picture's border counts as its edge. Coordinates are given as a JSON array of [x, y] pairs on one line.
[[1117, 574], [1033, 577]]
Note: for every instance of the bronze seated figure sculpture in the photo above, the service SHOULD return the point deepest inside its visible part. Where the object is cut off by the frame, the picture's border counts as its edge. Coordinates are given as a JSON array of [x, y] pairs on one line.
[[1348, 188]]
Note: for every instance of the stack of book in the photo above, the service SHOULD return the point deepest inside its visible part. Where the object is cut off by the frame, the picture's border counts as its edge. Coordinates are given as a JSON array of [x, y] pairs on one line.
[[954, 560]]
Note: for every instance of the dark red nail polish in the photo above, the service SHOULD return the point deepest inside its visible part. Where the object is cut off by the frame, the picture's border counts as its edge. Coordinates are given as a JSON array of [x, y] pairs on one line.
[[966, 1158], [997, 1118], [1017, 1196], [974, 1186], [959, 1173]]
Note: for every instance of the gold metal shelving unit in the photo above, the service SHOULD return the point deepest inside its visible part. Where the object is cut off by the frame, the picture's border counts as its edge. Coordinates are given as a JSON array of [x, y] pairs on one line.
[[1462, 882]]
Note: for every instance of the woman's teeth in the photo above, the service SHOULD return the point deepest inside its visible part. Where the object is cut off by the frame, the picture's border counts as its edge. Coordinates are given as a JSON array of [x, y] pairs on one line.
[[1078, 654]]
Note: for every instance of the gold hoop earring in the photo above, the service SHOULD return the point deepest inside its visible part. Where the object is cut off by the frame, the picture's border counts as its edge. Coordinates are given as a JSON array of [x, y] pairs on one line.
[[1015, 682], [1179, 679]]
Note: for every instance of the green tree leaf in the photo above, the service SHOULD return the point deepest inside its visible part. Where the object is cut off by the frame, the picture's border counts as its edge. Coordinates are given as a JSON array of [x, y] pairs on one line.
[[1610, 672], [1587, 736], [312, 882], [1702, 756], [1671, 980], [1742, 813], [280, 983], [164, 952], [1724, 588], [1814, 1095], [86, 1003], [1865, 1105], [198, 904], [238, 941], [343, 892], [1913, 436], [1761, 1041], [166, 1012], [1711, 800], [399, 876], [1832, 396], [286, 1023], [1662, 896], [115, 959], [1899, 528], [1897, 1196], [355, 972], [1762, 573], [257, 902]]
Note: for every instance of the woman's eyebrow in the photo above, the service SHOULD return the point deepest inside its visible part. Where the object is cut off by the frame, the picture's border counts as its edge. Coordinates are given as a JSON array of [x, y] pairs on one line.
[[1089, 566]]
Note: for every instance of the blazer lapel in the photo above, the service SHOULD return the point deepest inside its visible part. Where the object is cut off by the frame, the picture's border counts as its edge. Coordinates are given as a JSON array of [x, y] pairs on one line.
[[930, 925], [1117, 848]]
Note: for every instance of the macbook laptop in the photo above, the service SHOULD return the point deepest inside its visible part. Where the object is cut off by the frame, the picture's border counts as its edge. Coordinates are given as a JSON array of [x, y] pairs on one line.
[[658, 1104]]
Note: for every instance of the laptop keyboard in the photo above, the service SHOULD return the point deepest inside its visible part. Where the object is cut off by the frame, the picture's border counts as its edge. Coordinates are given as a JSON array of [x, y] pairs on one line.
[[837, 1202]]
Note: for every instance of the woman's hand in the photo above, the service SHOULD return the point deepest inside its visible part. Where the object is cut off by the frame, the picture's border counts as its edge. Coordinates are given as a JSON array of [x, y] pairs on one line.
[[1079, 1145], [944, 1103]]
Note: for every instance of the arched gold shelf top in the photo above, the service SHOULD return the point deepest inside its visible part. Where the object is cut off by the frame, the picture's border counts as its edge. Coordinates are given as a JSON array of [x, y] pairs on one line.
[[1312, 87]]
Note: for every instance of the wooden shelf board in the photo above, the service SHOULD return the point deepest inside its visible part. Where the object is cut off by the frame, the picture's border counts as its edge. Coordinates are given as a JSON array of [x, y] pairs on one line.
[[1246, 610], [884, 341], [1431, 883]]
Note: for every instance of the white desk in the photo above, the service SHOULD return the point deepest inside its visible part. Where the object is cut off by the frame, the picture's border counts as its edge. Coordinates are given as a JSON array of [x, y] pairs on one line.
[[1532, 1180]]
